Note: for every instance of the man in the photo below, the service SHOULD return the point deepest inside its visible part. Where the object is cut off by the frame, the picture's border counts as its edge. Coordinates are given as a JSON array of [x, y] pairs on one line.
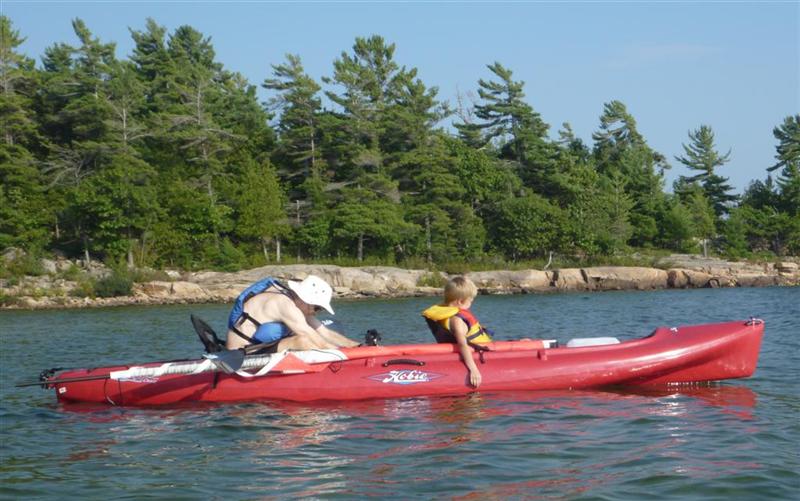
[[270, 312]]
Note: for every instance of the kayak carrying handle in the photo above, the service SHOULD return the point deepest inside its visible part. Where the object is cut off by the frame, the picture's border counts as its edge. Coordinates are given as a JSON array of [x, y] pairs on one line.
[[406, 361]]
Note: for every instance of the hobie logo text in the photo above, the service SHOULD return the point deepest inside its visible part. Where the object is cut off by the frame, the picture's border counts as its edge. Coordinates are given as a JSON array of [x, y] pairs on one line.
[[405, 377]]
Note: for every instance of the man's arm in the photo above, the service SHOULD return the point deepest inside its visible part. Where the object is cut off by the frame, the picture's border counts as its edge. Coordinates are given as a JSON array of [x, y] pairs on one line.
[[330, 335], [299, 325]]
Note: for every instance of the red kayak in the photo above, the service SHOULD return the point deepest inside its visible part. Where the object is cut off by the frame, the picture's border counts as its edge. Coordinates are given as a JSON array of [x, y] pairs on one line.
[[686, 354]]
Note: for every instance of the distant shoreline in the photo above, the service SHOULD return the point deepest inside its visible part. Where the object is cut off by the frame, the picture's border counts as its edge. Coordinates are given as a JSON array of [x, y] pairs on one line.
[[679, 272]]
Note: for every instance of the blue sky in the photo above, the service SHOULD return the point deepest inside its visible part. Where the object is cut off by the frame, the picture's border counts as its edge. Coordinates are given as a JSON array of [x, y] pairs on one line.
[[676, 65]]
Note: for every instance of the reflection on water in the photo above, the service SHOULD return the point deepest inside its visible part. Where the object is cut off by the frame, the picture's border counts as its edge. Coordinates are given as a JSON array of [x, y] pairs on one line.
[[581, 439]]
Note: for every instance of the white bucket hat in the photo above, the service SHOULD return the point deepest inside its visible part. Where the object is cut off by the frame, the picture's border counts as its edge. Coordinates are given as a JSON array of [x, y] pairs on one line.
[[314, 291]]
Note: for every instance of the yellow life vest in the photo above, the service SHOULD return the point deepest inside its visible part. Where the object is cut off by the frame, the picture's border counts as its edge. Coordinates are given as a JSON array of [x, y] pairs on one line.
[[438, 318]]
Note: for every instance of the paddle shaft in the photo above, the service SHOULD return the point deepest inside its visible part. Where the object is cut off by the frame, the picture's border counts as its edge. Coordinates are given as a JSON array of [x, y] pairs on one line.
[[65, 380]]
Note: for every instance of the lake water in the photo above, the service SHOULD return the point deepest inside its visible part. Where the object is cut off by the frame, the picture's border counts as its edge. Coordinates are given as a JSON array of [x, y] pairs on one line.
[[735, 440]]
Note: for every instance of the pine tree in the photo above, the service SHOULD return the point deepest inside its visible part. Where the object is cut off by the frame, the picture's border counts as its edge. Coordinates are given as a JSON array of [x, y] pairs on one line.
[[299, 130], [703, 217], [506, 116], [412, 114], [677, 227], [617, 133], [788, 156], [261, 210], [73, 100], [622, 154], [513, 127], [118, 206], [435, 200], [369, 80], [526, 227], [357, 145], [486, 179], [152, 61], [702, 156], [25, 213], [363, 217], [194, 104], [125, 95], [17, 84], [566, 169], [75, 114]]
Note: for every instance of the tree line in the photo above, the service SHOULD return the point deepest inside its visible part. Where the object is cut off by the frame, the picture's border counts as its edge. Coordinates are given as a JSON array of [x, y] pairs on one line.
[[166, 158]]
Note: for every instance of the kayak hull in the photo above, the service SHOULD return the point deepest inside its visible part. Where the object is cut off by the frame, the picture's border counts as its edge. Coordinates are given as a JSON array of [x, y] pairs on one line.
[[687, 354]]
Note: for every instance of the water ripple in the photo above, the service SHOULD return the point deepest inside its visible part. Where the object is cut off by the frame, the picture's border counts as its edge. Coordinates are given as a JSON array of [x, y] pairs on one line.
[[737, 439]]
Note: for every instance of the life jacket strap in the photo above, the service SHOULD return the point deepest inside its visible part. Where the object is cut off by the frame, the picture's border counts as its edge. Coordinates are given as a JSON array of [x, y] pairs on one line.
[[244, 316], [477, 334]]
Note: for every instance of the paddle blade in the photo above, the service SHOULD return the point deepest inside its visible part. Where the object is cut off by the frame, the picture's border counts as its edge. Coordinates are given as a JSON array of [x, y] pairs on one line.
[[228, 361]]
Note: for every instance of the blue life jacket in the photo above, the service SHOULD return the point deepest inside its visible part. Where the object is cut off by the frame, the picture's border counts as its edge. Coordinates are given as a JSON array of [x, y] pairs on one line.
[[270, 332], [237, 312]]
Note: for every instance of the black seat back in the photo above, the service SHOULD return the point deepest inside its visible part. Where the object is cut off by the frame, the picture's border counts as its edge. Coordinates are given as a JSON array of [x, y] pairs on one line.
[[441, 334], [208, 337]]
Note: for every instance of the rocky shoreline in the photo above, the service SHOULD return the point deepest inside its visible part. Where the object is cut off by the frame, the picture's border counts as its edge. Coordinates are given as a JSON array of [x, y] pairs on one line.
[[674, 272]]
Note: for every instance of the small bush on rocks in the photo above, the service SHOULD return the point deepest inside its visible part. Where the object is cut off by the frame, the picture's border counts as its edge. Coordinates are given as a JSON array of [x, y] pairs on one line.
[[118, 283], [431, 279], [84, 288], [21, 265]]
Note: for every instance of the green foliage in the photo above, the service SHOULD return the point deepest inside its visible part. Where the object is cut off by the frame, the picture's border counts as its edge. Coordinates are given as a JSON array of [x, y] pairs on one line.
[[507, 118], [117, 283], [299, 126], [678, 227], [226, 257], [25, 212], [734, 233], [167, 158], [73, 273], [701, 155], [432, 279], [140, 275], [367, 218], [21, 265], [527, 226], [117, 206], [702, 214], [261, 206], [788, 156], [7, 300], [750, 229], [313, 237], [85, 287]]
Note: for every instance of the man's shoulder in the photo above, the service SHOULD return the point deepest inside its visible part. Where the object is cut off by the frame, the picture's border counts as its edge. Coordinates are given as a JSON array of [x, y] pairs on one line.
[[270, 299]]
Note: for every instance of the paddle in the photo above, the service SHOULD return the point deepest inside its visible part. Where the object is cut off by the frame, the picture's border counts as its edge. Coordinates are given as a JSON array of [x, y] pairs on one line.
[[45, 382], [228, 361]]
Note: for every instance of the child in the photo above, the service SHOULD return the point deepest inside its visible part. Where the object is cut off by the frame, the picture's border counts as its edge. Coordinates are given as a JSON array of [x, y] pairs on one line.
[[452, 322]]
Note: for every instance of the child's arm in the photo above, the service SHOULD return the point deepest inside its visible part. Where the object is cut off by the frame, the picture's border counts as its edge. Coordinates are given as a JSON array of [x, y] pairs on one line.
[[459, 329]]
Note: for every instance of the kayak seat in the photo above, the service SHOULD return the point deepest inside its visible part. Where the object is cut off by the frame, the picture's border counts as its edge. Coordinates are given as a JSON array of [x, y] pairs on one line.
[[372, 338], [208, 337]]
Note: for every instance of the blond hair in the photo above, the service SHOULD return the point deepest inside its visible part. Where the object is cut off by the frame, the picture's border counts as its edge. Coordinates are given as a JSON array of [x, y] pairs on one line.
[[459, 288]]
